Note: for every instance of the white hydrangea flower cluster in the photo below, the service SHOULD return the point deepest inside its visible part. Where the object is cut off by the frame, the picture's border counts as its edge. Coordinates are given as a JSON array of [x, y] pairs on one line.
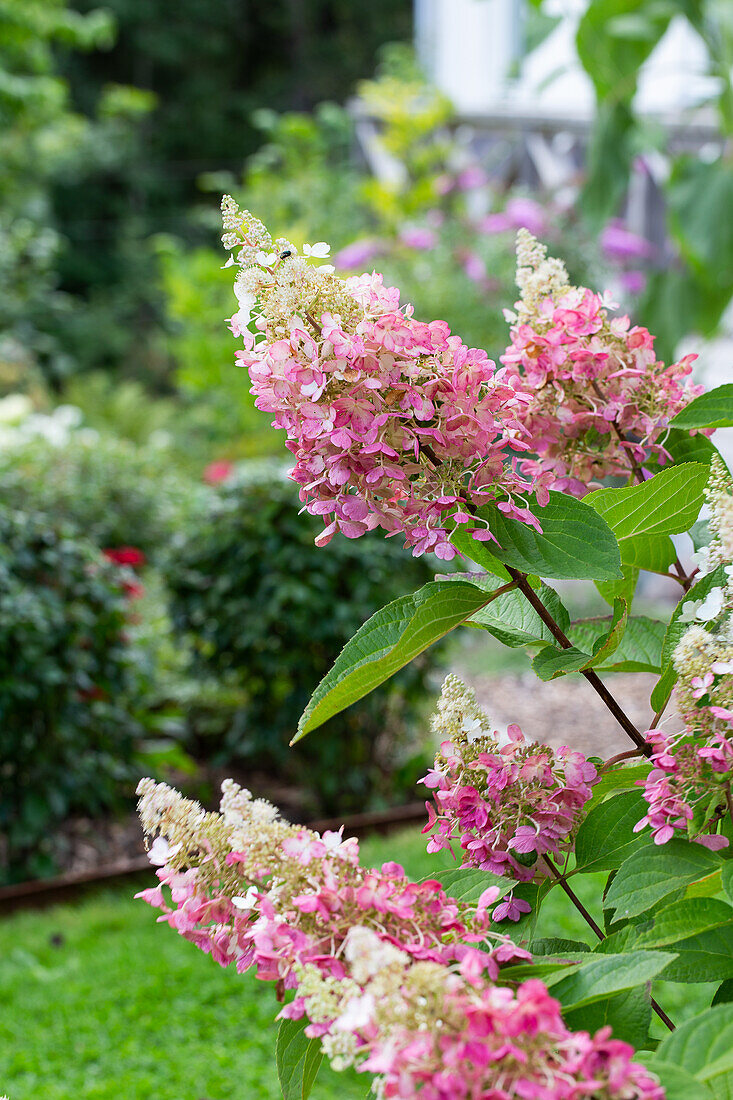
[[273, 276], [538, 277], [717, 606]]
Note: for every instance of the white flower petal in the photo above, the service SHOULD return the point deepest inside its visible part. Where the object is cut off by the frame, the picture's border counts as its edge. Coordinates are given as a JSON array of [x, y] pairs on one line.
[[319, 250], [247, 901]]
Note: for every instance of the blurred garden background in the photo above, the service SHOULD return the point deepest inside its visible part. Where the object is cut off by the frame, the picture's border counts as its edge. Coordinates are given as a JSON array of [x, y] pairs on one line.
[[163, 609]]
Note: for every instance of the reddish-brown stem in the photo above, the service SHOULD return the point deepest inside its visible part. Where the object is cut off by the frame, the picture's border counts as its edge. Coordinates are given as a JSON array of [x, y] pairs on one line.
[[531, 596], [620, 757], [593, 679], [560, 879]]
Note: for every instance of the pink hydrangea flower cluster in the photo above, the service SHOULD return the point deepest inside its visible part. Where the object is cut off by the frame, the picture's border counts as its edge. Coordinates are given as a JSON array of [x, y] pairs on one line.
[[272, 895], [601, 400], [688, 788], [394, 977], [684, 788], [393, 422], [506, 805]]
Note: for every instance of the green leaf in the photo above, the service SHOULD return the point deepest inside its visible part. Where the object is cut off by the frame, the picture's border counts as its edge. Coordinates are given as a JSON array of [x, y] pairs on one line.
[[684, 447], [713, 409], [478, 552], [510, 617], [727, 878], [607, 974], [663, 689], [387, 642], [700, 534], [704, 1047], [706, 957], [677, 1083], [551, 661], [640, 649], [618, 942], [700, 198], [666, 504], [724, 993], [606, 837], [628, 1013], [544, 967], [608, 161], [466, 884], [575, 541], [655, 871], [298, 1059], [676, 627], [552, 945], [622, 776], [707, 887], [655, 553], [623, 589], [684, 919]]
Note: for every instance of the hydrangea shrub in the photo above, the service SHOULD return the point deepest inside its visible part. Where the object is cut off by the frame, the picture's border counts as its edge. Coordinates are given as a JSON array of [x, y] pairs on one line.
[[444, 991]]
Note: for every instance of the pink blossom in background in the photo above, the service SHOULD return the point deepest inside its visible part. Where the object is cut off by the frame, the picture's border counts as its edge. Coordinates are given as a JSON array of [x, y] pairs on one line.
[[494, 223], [633, 282], [475, 267], [470, 179], [358, 254], [620, 243], [218, 471], [420, 238], [519, 213]]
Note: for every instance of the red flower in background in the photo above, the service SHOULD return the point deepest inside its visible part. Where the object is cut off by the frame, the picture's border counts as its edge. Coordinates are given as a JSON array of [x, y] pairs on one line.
[[125, 555], [217, 472], [133, 590]]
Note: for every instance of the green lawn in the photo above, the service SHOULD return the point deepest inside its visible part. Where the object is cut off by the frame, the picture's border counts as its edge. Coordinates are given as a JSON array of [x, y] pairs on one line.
[[98, 1002]]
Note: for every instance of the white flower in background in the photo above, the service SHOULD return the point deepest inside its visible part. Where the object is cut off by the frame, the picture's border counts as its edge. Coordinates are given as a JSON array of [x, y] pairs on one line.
[[87, 436], [317, 251], [13, 410], [160, 439], [327, 269], [266, 259], [68, 415]]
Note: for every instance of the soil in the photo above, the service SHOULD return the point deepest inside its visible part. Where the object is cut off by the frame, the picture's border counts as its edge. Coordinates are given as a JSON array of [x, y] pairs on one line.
[[566, 711]]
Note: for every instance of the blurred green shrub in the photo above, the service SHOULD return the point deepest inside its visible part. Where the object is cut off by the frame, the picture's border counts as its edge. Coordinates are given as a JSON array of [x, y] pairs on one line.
[[199, 299], [265, 610], [106, 489], [66, 736]]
